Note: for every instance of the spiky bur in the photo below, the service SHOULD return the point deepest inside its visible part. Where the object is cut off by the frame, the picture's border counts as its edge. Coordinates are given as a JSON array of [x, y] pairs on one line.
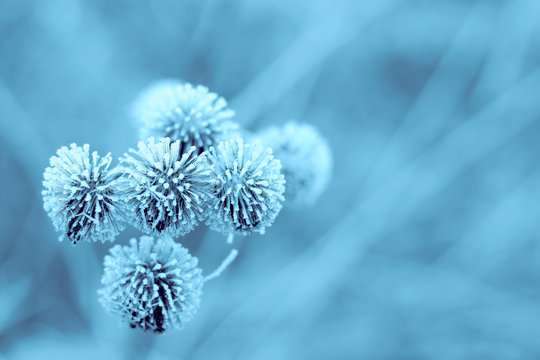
[[248, 193], [81, 195], [167, 188], [306, 159], [151, 284], [191, 114]]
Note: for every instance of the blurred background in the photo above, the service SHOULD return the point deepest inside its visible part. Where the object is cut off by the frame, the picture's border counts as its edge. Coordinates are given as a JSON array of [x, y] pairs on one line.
[[425, 245]]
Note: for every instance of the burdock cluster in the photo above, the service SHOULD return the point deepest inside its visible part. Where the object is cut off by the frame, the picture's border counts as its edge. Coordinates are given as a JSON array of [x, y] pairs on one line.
[[190, 167]]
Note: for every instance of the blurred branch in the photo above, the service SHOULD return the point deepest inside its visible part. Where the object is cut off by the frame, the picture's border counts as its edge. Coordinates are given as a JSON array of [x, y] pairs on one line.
[[516, 25], [320, 38], [490, 241], [24, 139], [429, 114]]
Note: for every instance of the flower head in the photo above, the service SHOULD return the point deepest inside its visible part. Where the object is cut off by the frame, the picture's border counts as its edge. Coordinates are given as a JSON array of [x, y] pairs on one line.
[[81, 195], [191, 114], [166, 188], [249, 191], [306, 159], [151, 284]]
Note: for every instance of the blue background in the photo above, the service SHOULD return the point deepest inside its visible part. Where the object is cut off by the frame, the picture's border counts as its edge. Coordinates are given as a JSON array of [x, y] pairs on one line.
[[425, 245]]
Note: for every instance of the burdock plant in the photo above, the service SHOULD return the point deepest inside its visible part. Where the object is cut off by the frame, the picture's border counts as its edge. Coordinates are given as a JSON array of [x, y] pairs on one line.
[[193, 172], [82, 196], [151, 284], [306, 160], [180, 111], [166, 189], [248, 193]]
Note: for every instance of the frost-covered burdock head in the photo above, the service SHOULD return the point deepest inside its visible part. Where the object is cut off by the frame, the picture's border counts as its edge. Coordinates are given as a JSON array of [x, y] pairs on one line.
[[306, 159], [149, 93], [191, 114], [151, 284], [166, 188], [249, 191], [81, 195]]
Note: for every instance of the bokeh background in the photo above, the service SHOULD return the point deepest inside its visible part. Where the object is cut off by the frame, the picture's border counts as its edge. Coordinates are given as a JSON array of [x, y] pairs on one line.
[[425, 245]]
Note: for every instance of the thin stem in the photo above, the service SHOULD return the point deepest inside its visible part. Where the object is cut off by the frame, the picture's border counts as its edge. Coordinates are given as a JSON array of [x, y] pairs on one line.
[[230, 238], [228, 260]]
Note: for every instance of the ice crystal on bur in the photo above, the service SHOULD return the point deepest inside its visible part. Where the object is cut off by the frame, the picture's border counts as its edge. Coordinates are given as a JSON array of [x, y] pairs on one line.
[[191, 114], [151, 284], [306, 159], [81, 195], [249, 191], [167, 189]]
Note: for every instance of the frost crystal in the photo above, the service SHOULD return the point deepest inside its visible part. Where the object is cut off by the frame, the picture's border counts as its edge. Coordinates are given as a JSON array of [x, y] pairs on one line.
[[151, 284], [249, 191], [166, 188], [183, 112], [81, 195], [306, 159]]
